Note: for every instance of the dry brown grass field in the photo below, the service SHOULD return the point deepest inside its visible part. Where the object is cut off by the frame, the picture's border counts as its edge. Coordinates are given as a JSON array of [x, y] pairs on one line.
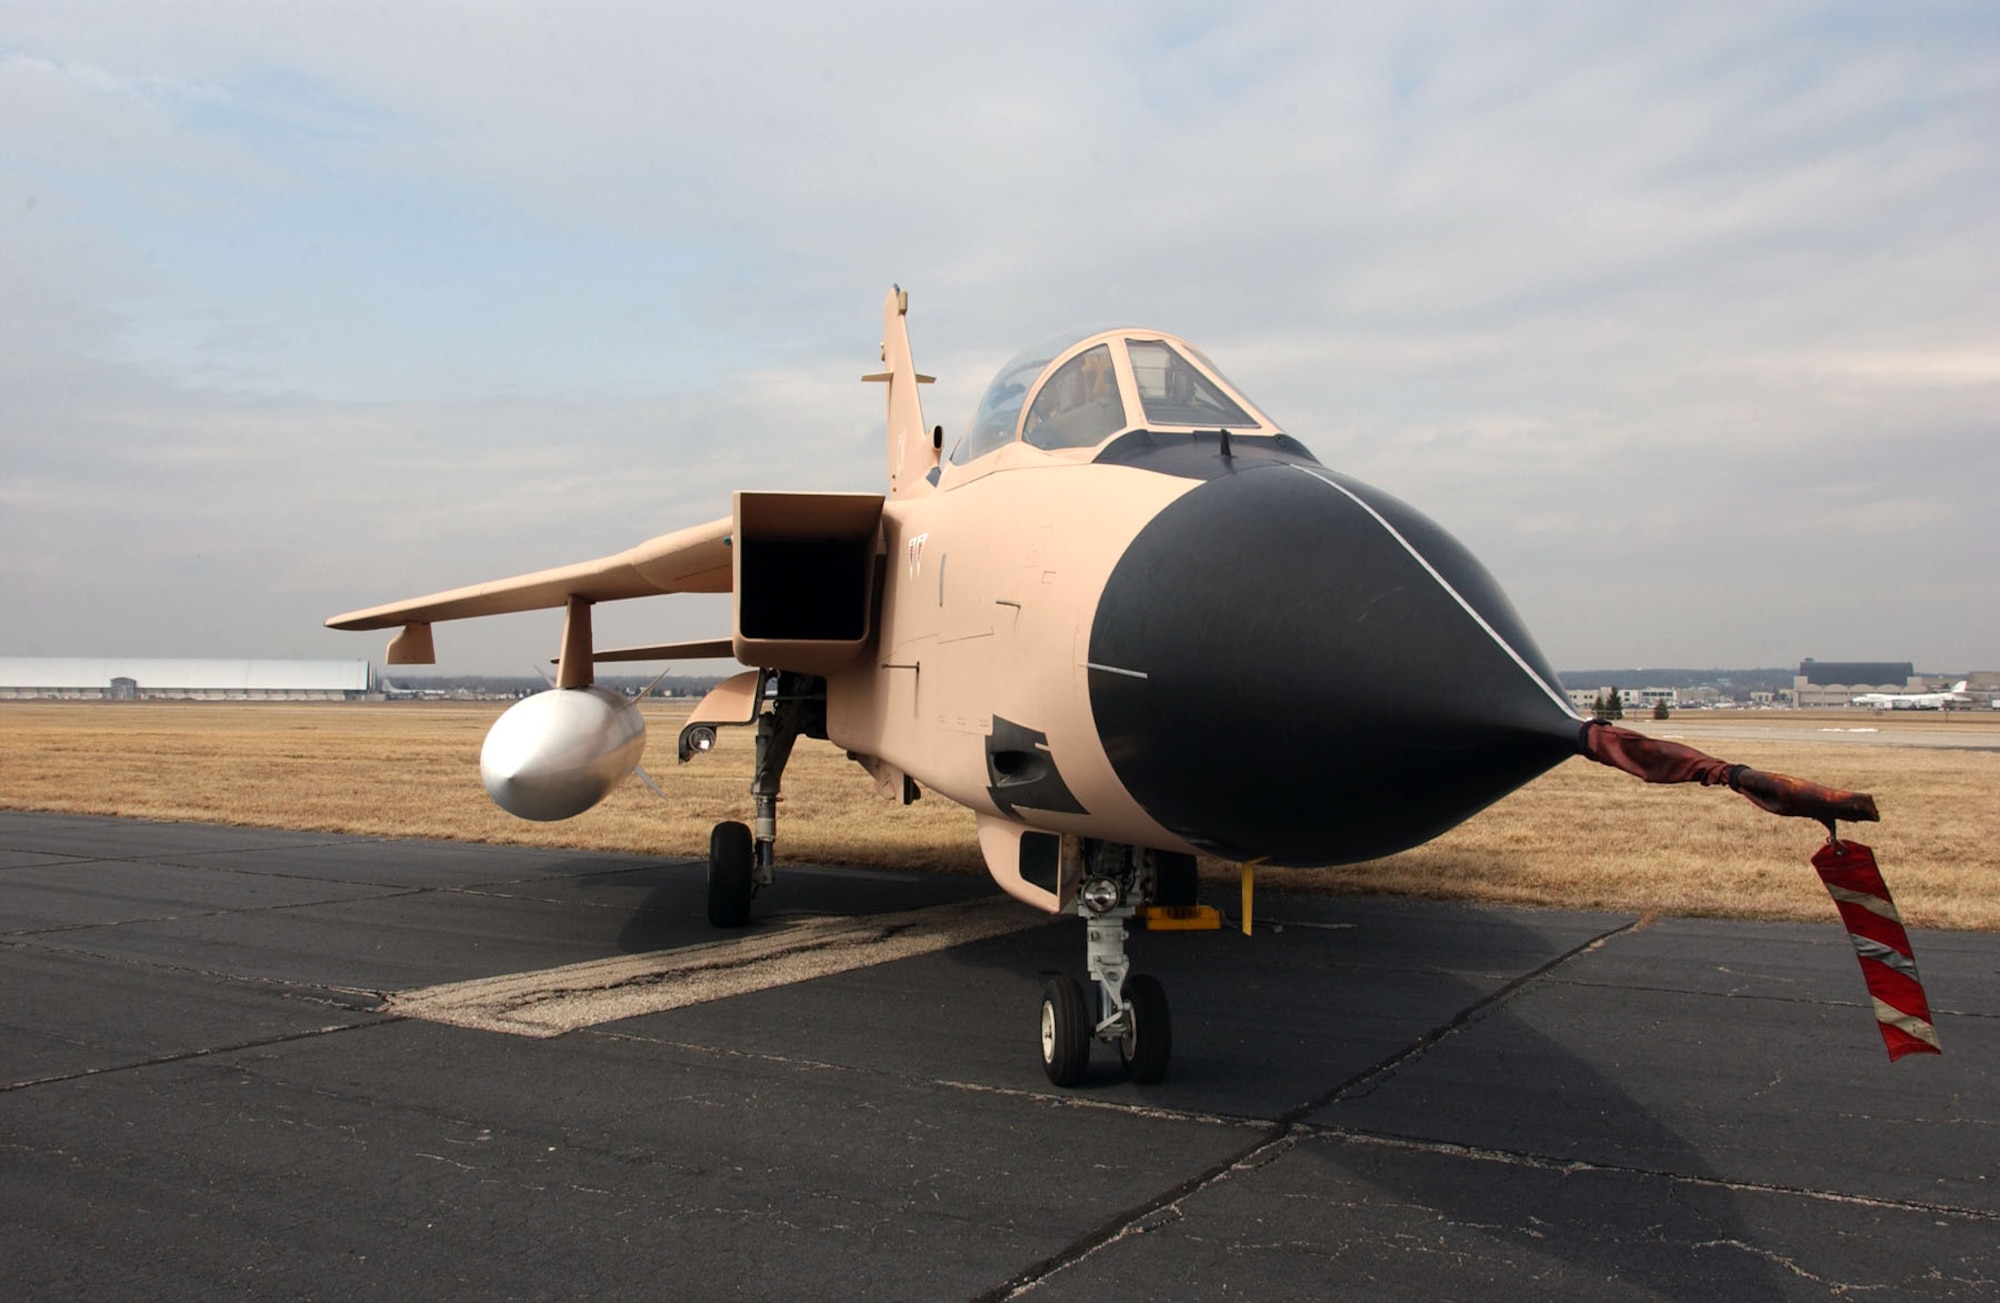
[[1582, 836]]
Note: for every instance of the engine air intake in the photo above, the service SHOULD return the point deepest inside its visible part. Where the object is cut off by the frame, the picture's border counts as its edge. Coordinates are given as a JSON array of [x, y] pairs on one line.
[[805, 576]]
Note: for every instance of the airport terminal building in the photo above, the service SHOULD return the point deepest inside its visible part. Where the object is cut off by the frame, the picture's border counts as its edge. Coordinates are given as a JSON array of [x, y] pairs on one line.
[[135, 678]]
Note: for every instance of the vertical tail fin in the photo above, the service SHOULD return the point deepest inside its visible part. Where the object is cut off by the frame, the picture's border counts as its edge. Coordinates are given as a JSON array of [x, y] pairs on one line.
[[912, 448]]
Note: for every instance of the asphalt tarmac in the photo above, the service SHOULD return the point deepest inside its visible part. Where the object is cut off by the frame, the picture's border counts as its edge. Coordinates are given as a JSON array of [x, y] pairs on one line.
[[204, 1090]]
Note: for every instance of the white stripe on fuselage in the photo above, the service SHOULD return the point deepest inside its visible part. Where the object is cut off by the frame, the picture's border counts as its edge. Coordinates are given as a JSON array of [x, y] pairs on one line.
[[1445, 584]]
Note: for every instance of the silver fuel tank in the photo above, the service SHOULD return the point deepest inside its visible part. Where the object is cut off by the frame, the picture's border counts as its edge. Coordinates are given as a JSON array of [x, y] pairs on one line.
[[560, 752]]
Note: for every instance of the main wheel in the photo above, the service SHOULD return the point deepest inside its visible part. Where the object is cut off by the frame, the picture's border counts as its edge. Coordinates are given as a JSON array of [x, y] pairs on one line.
[[1148, 1041], [1066, 1029], [729, 882]]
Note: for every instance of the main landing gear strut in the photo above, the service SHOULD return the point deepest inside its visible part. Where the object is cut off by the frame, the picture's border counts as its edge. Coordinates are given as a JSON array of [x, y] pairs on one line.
[[742, 862], [1124, 1008]]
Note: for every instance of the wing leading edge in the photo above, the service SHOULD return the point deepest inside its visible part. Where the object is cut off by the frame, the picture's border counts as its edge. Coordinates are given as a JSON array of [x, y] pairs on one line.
[[692, 560]]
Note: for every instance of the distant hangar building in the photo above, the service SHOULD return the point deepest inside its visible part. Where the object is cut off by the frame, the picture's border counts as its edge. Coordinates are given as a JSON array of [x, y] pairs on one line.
[[131, 678], [1838, 683]]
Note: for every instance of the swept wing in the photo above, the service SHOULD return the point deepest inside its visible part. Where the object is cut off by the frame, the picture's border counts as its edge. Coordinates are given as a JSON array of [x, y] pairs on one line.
[[692, 560]]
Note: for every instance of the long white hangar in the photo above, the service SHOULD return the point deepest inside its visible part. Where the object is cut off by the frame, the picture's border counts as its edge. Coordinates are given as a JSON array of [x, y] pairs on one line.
[[132, 678]]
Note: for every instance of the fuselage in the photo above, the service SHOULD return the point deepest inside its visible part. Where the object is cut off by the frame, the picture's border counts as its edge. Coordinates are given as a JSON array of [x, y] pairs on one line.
[[987, 604], [1188, 647]]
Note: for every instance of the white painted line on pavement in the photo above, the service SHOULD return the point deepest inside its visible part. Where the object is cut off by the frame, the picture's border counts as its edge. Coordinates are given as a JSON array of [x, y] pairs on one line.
[[551, 1001]]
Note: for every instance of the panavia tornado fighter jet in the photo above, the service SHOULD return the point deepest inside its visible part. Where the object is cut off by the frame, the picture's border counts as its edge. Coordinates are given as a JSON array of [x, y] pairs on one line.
[[1126, 620]]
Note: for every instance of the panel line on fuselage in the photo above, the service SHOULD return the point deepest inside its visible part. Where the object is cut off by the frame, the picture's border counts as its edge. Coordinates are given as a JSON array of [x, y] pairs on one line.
[[1442, 582]]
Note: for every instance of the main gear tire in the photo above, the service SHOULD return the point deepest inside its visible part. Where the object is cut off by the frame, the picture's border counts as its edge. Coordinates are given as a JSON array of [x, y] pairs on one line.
[[731, 856]]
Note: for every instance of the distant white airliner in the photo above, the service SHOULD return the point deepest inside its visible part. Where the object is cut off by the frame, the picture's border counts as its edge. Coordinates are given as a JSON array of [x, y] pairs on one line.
[[1913, 700]]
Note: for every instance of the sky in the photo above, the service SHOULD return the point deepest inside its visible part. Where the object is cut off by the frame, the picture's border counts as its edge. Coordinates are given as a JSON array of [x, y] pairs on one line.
[[1685, 319]]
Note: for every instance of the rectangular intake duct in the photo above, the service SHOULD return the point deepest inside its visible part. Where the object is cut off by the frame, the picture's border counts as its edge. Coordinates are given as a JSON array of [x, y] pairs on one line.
[[805, 573]]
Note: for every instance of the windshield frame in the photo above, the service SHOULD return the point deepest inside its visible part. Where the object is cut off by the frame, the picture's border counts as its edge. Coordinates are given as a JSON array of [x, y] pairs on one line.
[[1011, 398]]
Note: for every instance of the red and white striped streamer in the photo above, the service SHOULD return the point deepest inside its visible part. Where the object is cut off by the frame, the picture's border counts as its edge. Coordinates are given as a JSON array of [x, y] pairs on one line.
[[1887, 963]]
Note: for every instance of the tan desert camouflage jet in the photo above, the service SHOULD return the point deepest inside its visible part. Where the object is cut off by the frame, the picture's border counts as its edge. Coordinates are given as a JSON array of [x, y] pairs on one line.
[[1127, 620]]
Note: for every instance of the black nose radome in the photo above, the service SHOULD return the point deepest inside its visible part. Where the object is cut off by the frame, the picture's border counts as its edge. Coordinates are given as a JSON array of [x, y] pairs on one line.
[[1287, 663]]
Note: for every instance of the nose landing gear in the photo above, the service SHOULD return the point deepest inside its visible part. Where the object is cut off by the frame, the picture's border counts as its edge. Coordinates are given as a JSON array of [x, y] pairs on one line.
[[1131, 1007], [1131, 1010]]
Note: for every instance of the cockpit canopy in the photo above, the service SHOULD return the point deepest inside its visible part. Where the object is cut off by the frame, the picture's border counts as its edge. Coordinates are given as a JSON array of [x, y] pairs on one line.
[[1080, 388]]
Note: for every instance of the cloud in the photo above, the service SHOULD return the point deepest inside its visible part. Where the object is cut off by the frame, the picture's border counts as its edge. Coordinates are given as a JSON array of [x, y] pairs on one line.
[[1669, 314]]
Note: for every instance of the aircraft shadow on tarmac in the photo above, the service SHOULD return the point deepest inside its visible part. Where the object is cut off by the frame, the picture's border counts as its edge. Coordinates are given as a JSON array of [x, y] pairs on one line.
[[1296, 1027], [668, 911]]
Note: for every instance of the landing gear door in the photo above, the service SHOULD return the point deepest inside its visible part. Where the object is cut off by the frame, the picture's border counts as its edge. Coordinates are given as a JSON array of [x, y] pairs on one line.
[[731, 703], [1037, 868]]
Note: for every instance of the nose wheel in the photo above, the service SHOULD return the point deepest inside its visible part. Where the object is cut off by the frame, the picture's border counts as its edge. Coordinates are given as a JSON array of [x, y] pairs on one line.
[[1131, 1011], [1148, 1039], [1066, 1028]]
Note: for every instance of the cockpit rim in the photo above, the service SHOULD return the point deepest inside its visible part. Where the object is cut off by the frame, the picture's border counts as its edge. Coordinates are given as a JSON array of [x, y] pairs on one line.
[[1118, 337]]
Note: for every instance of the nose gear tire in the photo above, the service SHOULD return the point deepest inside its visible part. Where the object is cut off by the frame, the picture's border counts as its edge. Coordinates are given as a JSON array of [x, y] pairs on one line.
[[1148, 1041], [1066, 1030]]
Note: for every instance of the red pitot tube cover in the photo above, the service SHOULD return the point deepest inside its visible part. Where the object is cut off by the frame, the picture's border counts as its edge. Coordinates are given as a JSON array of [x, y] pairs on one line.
[[1883, 947]]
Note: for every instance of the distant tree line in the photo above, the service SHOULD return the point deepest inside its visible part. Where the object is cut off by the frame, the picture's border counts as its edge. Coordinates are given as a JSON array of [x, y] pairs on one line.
[[1728, 682], [498, 685], [1608, 706]]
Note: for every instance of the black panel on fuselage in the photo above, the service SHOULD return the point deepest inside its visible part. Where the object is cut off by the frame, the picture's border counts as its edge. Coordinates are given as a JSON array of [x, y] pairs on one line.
[[1198, 455], [1312, 693]]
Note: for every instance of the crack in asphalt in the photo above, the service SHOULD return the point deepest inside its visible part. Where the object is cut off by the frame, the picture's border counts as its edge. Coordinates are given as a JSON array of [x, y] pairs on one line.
[[69, 858], [65, 859], [183, 1056], [386, 893], [1780, 1260], [1282, 1133], [380, 891], [292, 988], [1828, 1002], [470, 888], [1573, 1166], [1150, 1112]]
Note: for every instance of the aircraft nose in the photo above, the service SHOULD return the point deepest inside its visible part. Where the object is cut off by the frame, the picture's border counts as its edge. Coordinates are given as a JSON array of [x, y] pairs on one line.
[[1288, 663]]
